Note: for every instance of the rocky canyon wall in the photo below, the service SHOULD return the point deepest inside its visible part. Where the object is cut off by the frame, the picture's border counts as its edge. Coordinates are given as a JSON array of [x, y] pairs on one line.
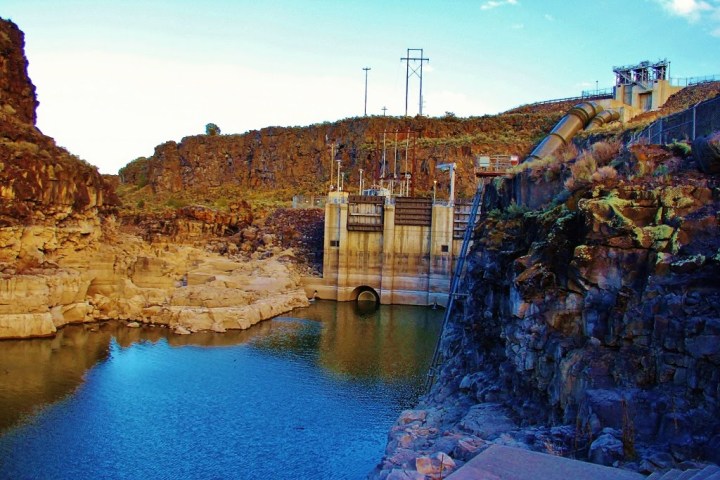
[[298, 159], [65, 259], [590, 328]]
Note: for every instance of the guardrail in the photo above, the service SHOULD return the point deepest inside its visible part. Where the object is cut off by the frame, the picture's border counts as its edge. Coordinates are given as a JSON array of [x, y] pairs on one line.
[[586, 95], [687, 81]]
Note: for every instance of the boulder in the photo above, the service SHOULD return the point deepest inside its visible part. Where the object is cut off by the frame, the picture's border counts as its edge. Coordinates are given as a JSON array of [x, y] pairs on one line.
[[606, 450], [486, 421], [438, 465], [706, 152], [402, 474]]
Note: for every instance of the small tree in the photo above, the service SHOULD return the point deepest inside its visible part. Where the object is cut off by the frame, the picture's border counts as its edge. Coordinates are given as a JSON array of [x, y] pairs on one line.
[[212, 129]]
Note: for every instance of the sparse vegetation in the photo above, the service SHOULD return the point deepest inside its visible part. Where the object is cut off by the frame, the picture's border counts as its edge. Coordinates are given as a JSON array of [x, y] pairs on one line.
[[604, 151], [681, 149], [661, 171], [581, 171], [604, 175], [512, 211], [173, 202]]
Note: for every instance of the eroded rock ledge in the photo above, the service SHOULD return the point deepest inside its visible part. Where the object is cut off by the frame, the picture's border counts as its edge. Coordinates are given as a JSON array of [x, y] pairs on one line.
[[186, 288]]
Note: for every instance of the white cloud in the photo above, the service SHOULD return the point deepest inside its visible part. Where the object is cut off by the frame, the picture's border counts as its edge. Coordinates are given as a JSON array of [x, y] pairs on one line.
[[704, 13], [518, 26], [549, 17], [692, 10], [490, 4]]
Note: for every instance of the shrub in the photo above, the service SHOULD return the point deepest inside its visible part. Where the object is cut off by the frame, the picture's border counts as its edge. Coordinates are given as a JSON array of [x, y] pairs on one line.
[[681, 149], [604, 152], [567, 153], [508, 213], [604, 174], [581, 171], [552, 171]]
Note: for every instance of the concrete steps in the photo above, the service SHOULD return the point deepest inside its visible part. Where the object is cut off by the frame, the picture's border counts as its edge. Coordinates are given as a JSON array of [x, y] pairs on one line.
[[507, 463], [711, 472]]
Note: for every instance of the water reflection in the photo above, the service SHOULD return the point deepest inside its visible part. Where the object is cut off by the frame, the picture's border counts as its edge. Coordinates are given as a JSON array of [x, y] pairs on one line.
[[39, 371], [355, 340], [365, 342]]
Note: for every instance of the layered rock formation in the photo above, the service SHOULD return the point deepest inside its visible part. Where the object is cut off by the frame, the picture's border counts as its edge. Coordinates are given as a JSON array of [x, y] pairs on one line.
[[590, 328], [298, 160], [64, 259]]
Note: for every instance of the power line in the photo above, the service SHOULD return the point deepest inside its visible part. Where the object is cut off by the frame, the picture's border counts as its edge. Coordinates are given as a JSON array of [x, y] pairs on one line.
[[414, 70]]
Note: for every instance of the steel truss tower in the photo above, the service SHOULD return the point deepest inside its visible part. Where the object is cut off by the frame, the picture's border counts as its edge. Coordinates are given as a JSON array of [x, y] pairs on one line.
[[415, 69]]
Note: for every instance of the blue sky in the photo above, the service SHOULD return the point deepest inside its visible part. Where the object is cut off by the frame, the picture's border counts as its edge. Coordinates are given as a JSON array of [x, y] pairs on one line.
[[115, 79]]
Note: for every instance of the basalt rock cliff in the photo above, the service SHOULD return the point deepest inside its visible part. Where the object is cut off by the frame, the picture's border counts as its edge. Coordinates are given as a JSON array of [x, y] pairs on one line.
[[40, 181], [65, 258], [297, 160], [591, 323]]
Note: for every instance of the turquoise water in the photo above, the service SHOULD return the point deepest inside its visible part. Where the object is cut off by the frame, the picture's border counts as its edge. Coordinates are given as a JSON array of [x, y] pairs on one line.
[[308, 397]]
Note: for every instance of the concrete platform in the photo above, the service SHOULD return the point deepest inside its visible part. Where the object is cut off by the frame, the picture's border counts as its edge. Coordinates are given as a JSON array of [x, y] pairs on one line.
[[507, 463]]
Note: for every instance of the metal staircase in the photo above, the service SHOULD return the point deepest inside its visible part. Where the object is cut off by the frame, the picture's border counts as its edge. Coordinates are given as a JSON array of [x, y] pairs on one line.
[[458, 275]]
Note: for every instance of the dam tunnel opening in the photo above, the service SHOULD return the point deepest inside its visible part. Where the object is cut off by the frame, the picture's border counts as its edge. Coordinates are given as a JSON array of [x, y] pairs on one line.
[[364, 294]]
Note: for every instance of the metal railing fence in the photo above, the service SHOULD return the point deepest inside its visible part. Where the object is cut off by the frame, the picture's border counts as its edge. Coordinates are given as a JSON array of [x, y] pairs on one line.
[[699, 120]]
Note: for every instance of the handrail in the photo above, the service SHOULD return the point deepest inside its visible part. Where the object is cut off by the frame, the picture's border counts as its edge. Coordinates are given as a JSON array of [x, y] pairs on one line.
[[688, 81], [458, 274], [585, 96]]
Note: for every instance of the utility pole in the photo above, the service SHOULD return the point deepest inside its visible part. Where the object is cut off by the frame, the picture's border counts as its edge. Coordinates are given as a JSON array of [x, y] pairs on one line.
[[339, 185], [384, 109], [414, 70], [332, 159], [366, 74]]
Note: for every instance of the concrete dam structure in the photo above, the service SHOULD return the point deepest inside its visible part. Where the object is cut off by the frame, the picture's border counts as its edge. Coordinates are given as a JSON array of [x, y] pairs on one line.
[[398, 249], [394, 250]]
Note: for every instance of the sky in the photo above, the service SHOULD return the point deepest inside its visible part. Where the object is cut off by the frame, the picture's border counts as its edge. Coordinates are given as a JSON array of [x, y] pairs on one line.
[[116, 78]]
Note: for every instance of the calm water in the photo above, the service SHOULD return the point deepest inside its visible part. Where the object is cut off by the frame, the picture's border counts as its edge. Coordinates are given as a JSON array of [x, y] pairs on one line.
[[308, 397]]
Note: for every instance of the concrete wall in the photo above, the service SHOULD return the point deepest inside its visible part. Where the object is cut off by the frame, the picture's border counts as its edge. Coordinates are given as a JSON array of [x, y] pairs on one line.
[[403, 264], [645, 99]]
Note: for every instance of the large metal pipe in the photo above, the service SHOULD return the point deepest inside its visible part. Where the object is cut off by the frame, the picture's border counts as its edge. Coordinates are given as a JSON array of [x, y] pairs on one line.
[[576, 119], [606, 116]]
